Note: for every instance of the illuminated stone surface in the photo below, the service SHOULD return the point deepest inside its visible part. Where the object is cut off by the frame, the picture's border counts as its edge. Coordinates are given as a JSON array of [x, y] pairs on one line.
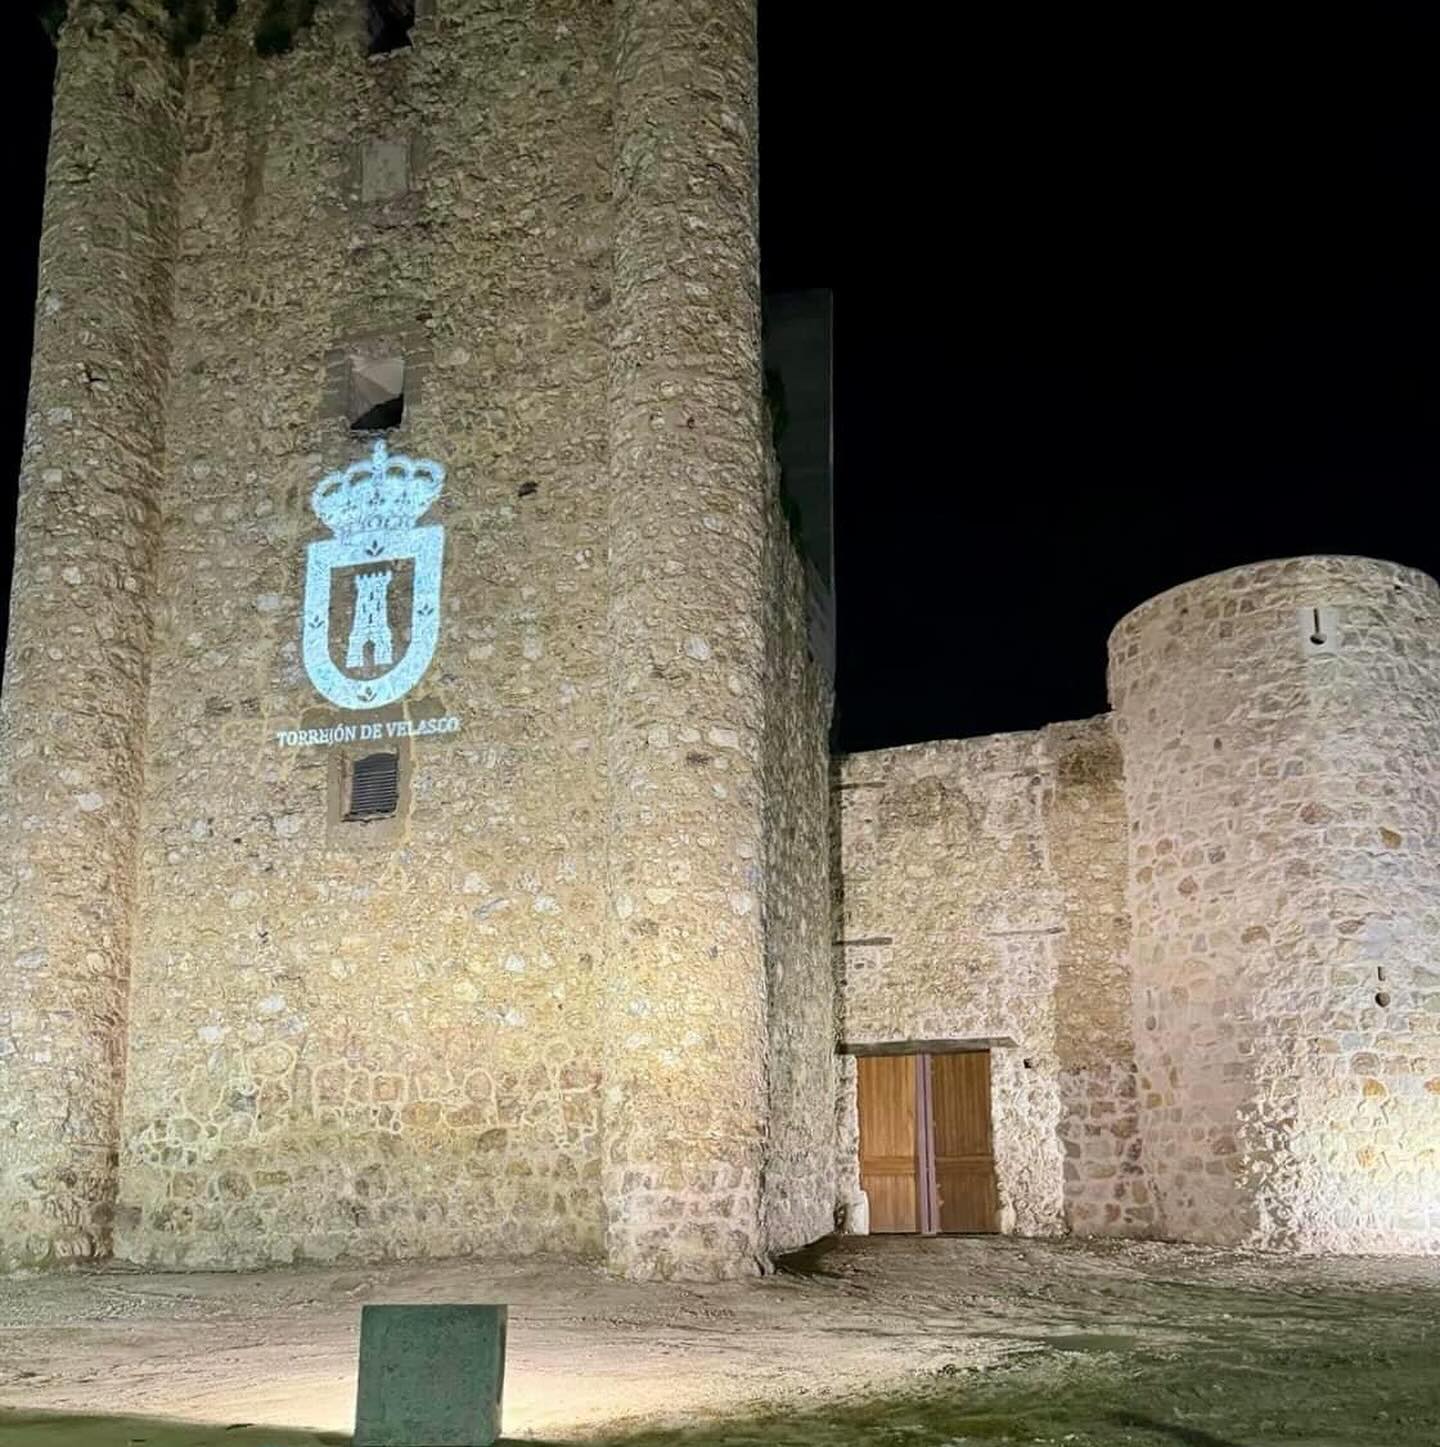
[[685, 986], [984, 898], [1285, 889], [81, 614], [408, 1038], [1209, 922], [578, 992]]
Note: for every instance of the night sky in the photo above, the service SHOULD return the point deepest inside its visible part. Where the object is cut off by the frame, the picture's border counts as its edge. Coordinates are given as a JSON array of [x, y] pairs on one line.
[[1120, 298]]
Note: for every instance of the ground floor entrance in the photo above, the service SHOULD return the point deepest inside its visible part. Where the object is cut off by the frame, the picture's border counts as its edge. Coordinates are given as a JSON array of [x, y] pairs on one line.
[[927, 1156]]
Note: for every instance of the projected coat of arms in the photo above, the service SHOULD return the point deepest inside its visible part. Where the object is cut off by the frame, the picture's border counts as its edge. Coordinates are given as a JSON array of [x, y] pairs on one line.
[[356, 579]]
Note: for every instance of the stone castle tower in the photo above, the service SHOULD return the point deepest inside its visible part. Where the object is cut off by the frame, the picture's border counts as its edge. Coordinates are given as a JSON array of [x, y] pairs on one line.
[[1280, 726], [1197, 935], [415, 805], [530, 954]]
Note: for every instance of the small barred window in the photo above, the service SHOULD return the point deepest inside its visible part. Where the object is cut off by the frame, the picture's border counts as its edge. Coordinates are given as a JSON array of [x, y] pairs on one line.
[[374, 791]]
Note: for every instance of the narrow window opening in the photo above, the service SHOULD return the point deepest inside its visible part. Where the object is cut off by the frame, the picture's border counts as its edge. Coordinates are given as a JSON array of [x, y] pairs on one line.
[[374, 788], [1319, 628], [377, 393], [389, 23]]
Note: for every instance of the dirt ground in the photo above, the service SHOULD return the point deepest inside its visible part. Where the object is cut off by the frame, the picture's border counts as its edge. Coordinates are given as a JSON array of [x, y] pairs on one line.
[[925, 1343]]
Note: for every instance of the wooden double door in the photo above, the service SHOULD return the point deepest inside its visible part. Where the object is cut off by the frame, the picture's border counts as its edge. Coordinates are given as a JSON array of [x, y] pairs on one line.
[[927, 1156]]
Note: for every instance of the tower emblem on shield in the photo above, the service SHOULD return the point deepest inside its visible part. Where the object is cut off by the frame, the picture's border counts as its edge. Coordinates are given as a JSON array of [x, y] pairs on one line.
[[373, 509]]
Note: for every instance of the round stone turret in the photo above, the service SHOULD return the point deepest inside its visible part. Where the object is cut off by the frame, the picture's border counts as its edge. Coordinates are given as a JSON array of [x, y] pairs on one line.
[[72, 720], [1280, 725], [685, 1098]]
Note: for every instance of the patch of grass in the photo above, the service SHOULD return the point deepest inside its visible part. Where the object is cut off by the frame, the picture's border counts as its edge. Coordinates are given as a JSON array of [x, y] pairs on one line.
[[1373, 1383], [64, 1429]]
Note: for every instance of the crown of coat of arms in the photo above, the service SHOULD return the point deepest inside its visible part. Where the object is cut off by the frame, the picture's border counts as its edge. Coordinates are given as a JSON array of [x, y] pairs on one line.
[[373, 509], [382, 494]]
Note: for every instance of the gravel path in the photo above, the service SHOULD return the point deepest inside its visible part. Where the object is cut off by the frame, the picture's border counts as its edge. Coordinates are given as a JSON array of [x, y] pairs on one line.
[[842, 1324]]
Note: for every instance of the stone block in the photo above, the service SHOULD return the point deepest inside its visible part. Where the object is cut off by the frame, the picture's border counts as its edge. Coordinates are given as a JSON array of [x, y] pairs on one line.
[[385, 170], [430, 1376]]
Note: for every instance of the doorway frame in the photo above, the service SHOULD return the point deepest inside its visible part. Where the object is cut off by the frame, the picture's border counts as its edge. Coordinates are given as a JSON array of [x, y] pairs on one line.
[[928, 1199], [929, 1196], [926, 1047]]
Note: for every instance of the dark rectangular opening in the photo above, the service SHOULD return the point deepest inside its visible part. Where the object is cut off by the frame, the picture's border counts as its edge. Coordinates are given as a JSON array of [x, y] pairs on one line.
[[389, 23], [377, 393], [374, 791]]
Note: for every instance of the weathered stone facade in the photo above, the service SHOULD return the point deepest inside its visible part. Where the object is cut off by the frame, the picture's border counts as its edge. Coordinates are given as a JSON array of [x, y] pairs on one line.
[[78, 658], [534, 1009], [685, 1095], [1201, 932], [800, 1195], [1281, 731], [578, 990], [982, 900]]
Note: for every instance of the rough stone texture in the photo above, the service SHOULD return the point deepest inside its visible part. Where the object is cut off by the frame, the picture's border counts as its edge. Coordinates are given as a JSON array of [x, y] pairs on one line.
[[1285, 887], [1085, 825], [576, 994], [800, 1185], [80, 621], [393, 1039], [346, 1040], [981, 899], [686, 1089]]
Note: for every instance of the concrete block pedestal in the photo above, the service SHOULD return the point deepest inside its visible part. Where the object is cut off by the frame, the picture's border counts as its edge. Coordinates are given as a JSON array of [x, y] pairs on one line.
[[430, 1376]]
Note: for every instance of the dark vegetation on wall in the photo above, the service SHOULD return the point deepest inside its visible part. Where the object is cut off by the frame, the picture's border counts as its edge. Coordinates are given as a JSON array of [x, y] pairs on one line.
[[188, 21]]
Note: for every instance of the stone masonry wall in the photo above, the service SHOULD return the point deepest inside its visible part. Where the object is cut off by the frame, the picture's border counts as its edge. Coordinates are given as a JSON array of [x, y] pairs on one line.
[[980, 886], [1281, 731], [1085, 828], [80, 623], [378, 1040], [800, 1189], [686, 1090], [386, 1038]]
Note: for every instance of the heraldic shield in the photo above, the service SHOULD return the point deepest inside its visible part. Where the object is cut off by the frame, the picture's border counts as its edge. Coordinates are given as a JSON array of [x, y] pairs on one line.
[[373, 509]]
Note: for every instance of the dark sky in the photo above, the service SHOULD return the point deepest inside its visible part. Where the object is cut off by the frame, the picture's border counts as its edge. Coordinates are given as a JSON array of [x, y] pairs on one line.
[[1122, 295]]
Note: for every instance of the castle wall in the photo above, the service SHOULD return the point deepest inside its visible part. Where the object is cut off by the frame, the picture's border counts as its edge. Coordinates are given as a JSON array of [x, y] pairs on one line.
[[80, 622], [1085, 827], [381, 1039], [686, 993], [532, 1009], [981, 898], [800, 1192], [1281, 731]]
